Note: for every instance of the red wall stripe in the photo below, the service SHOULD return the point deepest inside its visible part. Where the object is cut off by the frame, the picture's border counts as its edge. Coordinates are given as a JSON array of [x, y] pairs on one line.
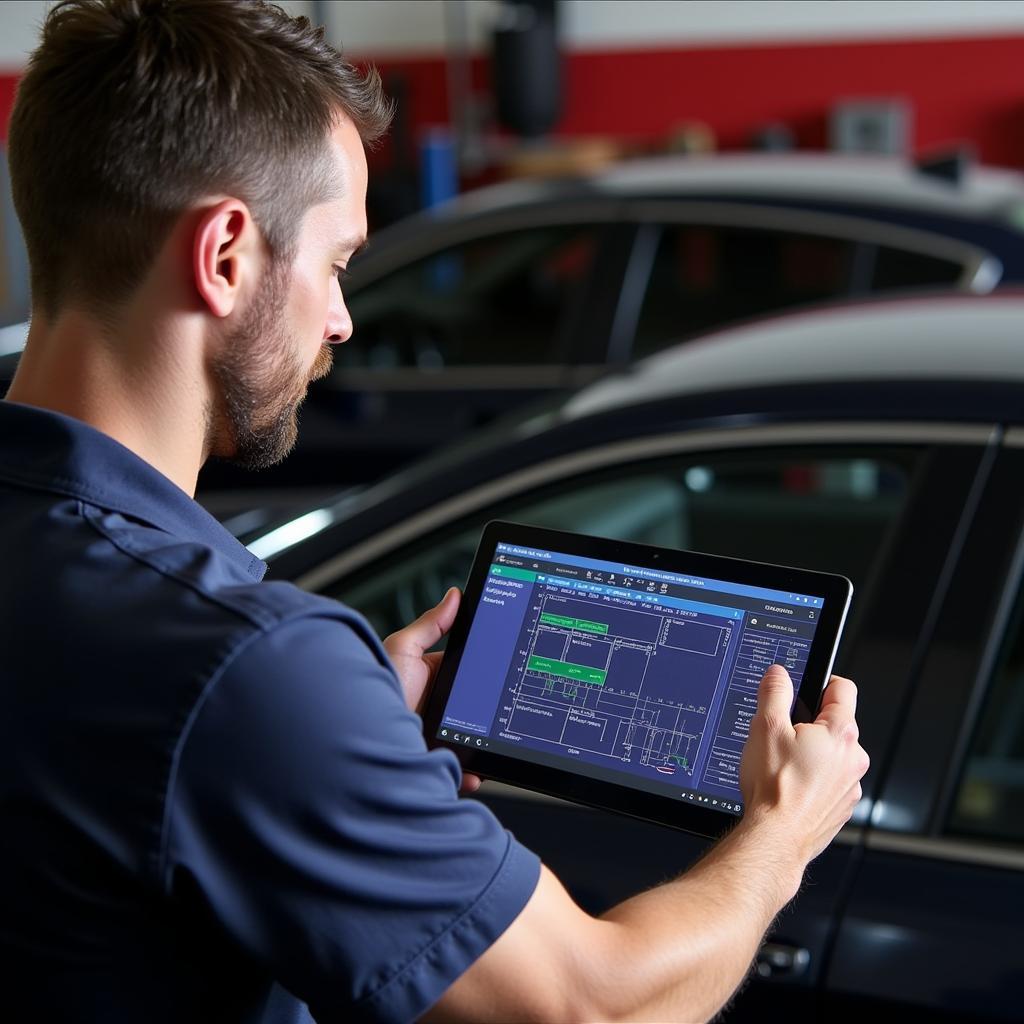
[[8, 85], [962, 89]]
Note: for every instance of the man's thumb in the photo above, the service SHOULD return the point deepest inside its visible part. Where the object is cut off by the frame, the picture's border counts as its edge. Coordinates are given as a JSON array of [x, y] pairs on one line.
[[447, 608], [422, 634], [436, 621], [775, 694]]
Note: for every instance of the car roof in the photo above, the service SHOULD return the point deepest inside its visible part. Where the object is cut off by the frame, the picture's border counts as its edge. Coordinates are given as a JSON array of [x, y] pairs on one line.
[[954, 359], [944, 337], [946, 357], [799, 177]]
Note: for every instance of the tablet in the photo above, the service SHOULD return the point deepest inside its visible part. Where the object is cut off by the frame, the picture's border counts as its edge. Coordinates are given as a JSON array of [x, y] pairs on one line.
[[624, 676]]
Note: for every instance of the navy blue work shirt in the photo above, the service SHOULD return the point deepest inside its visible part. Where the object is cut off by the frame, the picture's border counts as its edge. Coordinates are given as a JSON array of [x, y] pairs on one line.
[[214, 803]]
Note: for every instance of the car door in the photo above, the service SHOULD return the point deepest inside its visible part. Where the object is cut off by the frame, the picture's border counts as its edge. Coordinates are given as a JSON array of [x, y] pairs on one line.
[[934, 923], [879, 504]]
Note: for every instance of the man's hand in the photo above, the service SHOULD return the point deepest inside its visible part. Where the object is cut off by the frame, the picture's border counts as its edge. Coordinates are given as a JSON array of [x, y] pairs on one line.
[[416, 665], [805, 776]]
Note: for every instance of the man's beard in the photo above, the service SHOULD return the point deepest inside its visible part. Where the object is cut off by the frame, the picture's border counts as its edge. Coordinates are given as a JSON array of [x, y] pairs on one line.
[[261, 382]]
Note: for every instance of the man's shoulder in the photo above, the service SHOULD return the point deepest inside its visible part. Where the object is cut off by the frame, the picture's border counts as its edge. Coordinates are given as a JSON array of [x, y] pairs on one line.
[[196, 607], [187, 568], [277, 603]]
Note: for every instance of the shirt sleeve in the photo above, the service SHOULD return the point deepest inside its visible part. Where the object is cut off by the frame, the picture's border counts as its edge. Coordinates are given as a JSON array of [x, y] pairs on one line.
[[327, 839]]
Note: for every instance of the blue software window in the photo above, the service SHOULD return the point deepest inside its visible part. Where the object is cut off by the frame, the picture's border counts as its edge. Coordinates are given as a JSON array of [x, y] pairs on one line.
[[646, 677]]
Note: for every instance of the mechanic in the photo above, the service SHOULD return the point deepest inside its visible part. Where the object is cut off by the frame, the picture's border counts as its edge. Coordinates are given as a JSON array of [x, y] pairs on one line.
[[216, 802]]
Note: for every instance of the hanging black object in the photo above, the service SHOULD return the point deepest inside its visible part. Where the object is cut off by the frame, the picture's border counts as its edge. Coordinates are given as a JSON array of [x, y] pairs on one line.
[[527, 68]]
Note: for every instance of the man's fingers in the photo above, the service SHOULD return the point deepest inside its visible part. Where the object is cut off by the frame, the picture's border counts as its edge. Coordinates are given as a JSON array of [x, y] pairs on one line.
[[775, 694], [839, 706], [422, 634], [840, 690], [470, 783]]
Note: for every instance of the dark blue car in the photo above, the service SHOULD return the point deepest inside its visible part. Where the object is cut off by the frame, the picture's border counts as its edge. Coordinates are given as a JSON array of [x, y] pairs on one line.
[[881, 440]]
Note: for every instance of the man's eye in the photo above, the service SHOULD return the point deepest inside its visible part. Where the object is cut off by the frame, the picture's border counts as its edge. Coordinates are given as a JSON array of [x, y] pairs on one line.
[[341, 273]]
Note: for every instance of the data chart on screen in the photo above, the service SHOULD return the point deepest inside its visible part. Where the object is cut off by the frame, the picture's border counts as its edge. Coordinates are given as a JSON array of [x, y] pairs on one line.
[[635, 675]]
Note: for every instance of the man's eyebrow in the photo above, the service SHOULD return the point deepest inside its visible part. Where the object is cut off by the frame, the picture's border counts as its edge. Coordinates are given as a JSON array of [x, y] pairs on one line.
[[354, 245]]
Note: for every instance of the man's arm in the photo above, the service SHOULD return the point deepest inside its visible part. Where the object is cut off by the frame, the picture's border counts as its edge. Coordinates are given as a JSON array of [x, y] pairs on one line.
[[680, 950]]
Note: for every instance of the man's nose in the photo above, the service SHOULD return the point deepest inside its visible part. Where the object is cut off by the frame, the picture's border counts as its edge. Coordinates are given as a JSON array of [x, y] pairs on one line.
[[338, 327]]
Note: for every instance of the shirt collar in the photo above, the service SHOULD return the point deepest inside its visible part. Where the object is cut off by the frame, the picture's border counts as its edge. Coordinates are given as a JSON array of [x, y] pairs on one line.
[[51, 452]]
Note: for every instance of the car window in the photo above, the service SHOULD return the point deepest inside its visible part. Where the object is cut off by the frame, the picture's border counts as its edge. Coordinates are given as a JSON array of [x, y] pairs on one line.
[[989, 802], [896, 268], [704, 276], [829, 513], [498, 300]]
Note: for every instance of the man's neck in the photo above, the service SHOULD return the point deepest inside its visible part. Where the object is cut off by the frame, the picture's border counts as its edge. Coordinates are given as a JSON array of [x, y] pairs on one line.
[[141, 383]]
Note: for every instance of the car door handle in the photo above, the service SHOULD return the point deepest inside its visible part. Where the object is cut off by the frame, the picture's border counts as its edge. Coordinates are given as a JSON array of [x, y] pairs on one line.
[[778, 960]]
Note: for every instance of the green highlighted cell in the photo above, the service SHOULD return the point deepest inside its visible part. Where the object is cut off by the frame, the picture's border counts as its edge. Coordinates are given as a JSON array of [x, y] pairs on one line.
[[567, 670], [582, 624], [557, 620], [513, 574]]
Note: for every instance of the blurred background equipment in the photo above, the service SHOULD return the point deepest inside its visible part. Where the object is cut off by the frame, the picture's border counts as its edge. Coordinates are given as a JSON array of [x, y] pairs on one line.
[[439, 179], [773, 137], [527, 67], [871, 126], [694, 137]]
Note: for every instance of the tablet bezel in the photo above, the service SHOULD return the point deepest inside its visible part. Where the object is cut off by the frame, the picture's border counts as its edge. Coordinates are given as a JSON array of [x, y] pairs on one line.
[[578, 788]]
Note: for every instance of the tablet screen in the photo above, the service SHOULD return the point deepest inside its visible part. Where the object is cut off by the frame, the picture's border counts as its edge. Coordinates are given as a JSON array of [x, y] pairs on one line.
[[625, 673]]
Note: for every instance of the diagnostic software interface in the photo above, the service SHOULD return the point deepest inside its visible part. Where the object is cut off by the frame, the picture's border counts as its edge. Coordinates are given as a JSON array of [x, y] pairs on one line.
[[639, 676]]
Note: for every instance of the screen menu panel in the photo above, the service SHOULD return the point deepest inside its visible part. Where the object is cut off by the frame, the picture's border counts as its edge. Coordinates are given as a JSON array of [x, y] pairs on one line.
[[636, 675]]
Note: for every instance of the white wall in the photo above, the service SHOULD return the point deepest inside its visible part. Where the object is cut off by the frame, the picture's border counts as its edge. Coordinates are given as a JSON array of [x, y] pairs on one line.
[[596, 24], [20, 21], [406, 27], [19, 30], [410, 27]]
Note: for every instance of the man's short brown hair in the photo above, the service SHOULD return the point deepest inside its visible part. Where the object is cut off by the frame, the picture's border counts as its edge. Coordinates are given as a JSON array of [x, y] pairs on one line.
[[132, 110]]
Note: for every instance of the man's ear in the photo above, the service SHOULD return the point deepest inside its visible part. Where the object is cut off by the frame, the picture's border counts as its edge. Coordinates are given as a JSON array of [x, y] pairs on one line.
[[225, 253]]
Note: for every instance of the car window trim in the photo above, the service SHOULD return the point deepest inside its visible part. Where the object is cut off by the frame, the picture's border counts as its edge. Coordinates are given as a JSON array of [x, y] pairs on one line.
[[454, 378], [680, 442], [981, 270], [379, 262], [965, 851], [636, 280]]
